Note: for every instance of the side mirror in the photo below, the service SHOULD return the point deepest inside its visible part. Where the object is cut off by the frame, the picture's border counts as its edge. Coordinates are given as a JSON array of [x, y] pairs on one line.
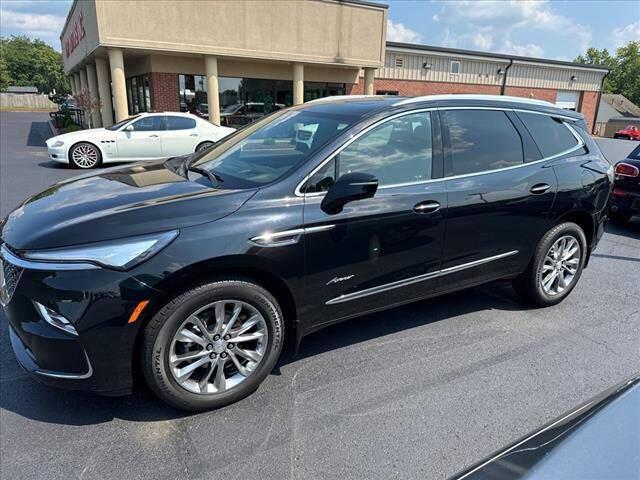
[[349, 187], [129, 128]]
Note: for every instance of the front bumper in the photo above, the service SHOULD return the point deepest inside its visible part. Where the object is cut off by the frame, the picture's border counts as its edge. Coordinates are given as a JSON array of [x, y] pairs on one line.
[[97, 303], [58, 154]]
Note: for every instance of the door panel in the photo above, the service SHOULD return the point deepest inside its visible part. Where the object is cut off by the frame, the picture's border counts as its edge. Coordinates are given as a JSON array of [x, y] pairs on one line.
[[180, 136], [381, 250], [499, 205], [375, 242], [143, 143]]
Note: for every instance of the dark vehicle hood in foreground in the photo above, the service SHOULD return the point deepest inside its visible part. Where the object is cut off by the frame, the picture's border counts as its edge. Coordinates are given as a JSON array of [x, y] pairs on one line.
[[599, 439], [115, 203]]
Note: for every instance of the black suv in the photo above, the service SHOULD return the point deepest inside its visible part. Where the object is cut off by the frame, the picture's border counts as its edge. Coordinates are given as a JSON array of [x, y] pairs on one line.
[[197, 268]]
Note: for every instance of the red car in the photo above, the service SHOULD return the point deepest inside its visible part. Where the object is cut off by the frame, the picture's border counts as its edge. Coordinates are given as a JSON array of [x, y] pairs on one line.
[[630, 132]]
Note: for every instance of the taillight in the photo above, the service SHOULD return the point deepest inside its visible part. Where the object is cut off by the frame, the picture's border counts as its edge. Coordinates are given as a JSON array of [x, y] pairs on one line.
[[617, 192], [627, 170]]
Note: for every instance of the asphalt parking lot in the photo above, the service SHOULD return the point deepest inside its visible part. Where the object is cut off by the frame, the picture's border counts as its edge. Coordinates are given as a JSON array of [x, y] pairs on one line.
[[420, 391]]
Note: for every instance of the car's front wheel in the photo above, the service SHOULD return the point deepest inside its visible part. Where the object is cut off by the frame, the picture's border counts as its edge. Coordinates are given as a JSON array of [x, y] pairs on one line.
[[555, 267], [213, 344], [85, 155]]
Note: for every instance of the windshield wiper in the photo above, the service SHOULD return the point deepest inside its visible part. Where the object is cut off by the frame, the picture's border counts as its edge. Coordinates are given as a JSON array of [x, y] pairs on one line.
[[213, 177]]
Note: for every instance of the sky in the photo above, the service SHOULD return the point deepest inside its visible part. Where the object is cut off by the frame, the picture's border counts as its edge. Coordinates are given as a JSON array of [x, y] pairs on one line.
[[558, 30]]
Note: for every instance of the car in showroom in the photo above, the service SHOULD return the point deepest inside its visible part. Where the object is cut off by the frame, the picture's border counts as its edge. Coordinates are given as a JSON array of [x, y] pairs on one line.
[[147, 136], [626, 187], [630, 132], [196, 269]]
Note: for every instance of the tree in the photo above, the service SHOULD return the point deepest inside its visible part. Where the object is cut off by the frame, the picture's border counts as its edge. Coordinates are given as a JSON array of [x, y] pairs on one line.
[[27, 62], [624, 77]]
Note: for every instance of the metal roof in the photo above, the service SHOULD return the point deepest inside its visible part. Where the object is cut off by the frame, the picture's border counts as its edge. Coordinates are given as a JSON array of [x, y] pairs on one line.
[[502, 56]]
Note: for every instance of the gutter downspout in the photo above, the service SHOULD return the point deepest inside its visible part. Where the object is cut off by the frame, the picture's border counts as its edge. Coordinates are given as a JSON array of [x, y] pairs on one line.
[[595, 117], [504, 79]]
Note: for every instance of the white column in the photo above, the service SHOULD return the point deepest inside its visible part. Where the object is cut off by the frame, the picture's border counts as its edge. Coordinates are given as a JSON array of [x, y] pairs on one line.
[[368, 80], [76, 77], [83, 80], [211, 70], [298, 83], [104, 92], [116, 62], [92, 81], [72, 83]]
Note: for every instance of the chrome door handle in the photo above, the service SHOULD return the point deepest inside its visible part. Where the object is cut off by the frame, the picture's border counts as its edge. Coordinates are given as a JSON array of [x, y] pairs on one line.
[[539, 188], [429, 206], [153, 136], [193, 135]]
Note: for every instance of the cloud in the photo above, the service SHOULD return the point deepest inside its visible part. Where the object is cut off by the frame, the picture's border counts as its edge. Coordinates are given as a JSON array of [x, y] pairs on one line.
[[528, 50], [397, 32], [508, 20], [32, 22], [483, 41], [622, 35]]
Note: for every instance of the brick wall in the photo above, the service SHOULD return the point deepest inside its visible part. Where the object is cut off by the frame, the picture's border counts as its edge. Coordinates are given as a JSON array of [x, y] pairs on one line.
[[588, 104], [164, 91], [548, 95]]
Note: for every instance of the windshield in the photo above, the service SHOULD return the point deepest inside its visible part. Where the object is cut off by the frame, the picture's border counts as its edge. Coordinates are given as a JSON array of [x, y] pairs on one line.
[[231, 108], [273, 146], [118, 125]]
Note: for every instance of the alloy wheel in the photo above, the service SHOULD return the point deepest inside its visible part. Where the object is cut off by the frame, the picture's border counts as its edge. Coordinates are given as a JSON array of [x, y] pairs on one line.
[[85, 156], [560, 265], [218, 347]]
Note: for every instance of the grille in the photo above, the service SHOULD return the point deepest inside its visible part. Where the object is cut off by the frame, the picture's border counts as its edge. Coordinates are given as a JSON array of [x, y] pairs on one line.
[[9, 278]]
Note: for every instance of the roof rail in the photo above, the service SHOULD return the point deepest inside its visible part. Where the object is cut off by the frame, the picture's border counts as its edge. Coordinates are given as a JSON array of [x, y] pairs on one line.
[[337, 98], [497, 98]]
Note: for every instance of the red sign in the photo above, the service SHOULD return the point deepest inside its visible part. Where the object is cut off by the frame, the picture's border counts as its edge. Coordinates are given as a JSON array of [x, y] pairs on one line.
[[77, 34]]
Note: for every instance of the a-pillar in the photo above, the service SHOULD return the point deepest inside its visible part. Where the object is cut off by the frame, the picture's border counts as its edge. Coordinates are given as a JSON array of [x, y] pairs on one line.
[[116, 62], [298, 83], [211, 70], [104, 92]]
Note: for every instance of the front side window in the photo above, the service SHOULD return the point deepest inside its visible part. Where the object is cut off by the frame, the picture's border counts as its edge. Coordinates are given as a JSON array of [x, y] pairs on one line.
[[397, 151], [179, 123], [270, 147], [480, 141], [148, 124], [121, 123], [550, 134]]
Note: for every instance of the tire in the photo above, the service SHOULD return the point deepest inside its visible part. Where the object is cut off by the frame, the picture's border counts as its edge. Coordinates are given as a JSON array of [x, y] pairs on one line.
[[85, 155], [200, 390], [204, 146], [530, 283]]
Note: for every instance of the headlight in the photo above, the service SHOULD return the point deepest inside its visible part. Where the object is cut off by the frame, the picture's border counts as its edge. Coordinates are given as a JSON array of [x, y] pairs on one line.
[[121, 254], [59, 143]]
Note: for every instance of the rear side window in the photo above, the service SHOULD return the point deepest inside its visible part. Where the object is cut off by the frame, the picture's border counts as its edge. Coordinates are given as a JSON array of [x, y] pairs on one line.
[[180, 123], [480, 141], [636, 153], [550, 134]]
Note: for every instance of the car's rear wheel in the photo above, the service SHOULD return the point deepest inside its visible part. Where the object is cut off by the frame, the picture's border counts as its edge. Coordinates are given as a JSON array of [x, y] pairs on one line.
[[213, 344], [203, 146], [85, 155], [555, 267]]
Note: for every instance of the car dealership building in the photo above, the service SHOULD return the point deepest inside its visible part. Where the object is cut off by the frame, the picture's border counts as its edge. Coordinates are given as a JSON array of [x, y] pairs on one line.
[[205, 56]]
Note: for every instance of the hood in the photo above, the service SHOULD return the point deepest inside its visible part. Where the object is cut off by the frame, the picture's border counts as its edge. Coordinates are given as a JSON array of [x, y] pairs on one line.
[[66, 137], [116, 203]]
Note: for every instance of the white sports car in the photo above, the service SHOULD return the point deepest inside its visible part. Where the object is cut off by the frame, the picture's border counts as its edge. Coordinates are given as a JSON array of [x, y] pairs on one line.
[[147, 136]]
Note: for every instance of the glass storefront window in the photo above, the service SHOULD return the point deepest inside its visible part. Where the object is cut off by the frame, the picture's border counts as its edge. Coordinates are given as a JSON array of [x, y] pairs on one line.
[[236, 93], [138, 96]]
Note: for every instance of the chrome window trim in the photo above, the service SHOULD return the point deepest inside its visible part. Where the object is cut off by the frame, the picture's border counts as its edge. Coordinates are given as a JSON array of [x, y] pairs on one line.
[[417, 279], [578, 146], [46, 266]]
